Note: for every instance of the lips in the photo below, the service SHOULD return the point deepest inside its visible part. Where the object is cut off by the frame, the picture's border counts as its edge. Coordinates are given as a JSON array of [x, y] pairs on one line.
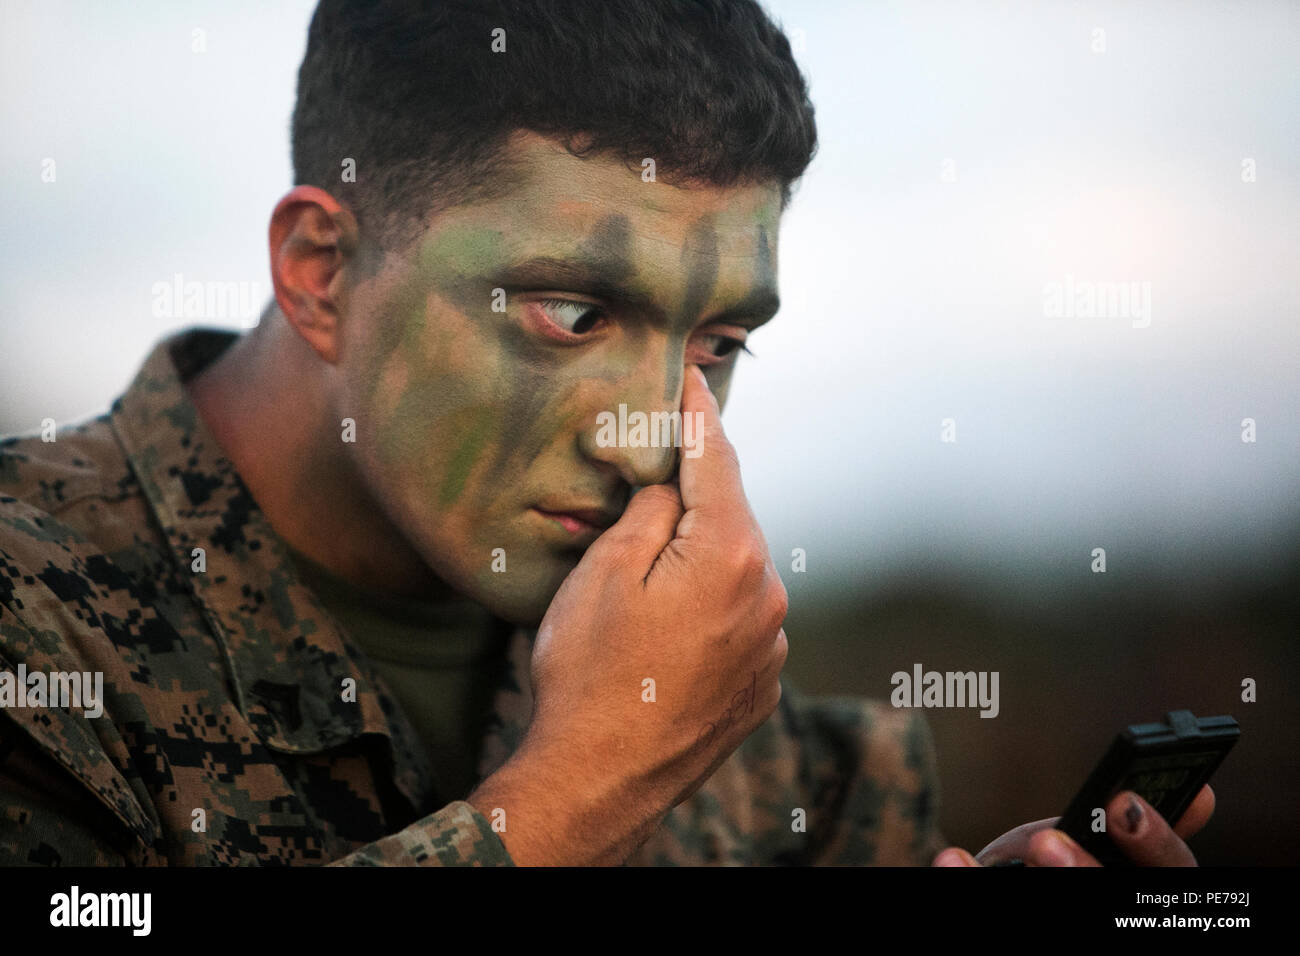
[[578, 520]]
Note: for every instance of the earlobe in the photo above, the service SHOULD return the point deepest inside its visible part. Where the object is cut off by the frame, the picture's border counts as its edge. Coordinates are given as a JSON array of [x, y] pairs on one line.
[[312, 236]]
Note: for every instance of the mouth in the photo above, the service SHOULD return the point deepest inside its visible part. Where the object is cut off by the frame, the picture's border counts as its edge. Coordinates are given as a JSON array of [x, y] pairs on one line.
[[578, 523]]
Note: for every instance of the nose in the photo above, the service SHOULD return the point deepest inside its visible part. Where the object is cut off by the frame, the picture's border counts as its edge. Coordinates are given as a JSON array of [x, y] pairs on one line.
[[638, 433]]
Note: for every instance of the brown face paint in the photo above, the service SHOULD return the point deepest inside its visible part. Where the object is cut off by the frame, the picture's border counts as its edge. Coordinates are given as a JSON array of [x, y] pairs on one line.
[[700, 261], [757, 306], [760, 293]]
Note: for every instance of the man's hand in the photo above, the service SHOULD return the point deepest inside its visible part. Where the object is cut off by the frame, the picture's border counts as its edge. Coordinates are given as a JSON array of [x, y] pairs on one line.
[[1134, 827], [680, 591]]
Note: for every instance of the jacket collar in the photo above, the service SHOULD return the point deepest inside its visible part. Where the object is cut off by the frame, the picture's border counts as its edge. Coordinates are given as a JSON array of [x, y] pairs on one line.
[[291, 665]]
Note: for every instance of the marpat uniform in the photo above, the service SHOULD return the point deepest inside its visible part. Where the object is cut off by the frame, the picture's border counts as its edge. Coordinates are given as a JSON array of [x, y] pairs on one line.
[[241, 726]]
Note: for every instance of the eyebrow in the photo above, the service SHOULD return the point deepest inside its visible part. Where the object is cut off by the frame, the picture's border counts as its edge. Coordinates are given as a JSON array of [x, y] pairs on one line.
[[604, 279]]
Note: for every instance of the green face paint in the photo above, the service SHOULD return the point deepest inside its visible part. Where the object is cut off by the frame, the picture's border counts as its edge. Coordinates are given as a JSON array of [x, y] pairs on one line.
[[473, 438], [476, 401]]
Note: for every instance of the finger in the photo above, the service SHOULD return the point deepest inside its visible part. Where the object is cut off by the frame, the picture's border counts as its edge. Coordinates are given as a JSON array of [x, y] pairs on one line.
[[710, 478], [780, 652], [1012, 844], [954, 856], [1197, 814], [1053, 848], [1143, 835], [648, 522], [781, 647]]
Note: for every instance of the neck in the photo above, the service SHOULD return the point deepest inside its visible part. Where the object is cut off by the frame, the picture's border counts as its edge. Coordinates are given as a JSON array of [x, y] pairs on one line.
[[268, 400]]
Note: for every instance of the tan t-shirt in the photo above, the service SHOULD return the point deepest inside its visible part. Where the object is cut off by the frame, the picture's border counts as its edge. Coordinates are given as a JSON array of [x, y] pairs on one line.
[[440, 660]]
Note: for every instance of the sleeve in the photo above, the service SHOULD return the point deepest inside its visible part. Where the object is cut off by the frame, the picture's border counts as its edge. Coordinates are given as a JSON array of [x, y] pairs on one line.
[[46, 818], [457, 835], [874, 772], [825, 781], [62, 802], [49, 818], [930, 839], [53, 816]]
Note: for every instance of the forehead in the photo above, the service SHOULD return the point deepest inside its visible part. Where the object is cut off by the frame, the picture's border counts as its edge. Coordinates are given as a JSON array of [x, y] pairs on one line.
[[661, 237]]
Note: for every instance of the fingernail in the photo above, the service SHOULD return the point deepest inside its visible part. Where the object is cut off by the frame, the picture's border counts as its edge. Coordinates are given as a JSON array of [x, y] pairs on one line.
[[953, 857], [1133, 816], [1058, 851]]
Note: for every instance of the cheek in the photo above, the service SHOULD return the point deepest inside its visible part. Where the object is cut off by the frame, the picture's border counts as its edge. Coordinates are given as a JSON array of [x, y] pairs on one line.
[[470, 419], [429, 397], [429, 444], [538, 396]]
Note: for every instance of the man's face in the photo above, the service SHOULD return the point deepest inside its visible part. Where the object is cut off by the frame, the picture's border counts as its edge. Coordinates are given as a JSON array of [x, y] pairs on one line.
[[476, 409]]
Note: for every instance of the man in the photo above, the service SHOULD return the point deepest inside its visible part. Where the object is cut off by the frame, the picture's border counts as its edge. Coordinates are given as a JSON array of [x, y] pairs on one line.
[[369, 585]]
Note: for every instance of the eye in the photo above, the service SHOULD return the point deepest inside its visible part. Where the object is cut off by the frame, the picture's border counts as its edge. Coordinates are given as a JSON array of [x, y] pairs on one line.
[[720, 345], [576, 318], [716, 344]]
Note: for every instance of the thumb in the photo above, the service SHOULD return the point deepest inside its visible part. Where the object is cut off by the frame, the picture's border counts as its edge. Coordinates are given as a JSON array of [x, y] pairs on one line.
[[648, 522], [955, 856], [1197, 814]]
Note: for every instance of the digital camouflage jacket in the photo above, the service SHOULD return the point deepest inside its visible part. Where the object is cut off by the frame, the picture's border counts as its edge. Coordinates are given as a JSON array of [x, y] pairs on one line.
[[224, 737]]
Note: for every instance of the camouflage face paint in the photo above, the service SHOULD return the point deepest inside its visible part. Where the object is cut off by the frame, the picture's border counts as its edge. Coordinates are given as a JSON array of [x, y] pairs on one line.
[[528, 396], [475, 410], [700, 262]]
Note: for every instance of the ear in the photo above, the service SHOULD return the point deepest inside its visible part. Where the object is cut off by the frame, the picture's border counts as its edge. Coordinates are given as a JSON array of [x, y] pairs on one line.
[[312, 237]]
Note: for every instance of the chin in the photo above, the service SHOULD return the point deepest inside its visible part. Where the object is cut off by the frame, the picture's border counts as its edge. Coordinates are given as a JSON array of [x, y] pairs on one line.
[[521, 599], [525, 610]]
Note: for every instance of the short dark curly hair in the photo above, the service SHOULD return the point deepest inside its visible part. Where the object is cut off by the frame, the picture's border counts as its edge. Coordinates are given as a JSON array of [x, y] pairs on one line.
[[412, 91]]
